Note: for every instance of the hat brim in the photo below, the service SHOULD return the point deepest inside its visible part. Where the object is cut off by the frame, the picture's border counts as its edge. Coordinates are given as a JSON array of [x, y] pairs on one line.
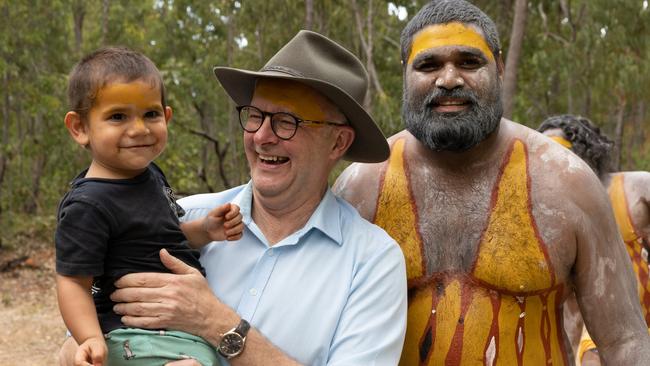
[[369, 145]]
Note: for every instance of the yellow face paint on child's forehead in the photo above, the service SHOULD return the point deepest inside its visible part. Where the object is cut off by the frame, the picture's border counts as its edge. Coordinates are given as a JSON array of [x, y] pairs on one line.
[[293, 97], [137, 93], [562, 141], [449, 34]]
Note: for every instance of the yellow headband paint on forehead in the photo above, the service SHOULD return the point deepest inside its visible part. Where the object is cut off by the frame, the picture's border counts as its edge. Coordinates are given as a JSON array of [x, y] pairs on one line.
[[298, 98], [449, 34], [562, 141], [137, 93]]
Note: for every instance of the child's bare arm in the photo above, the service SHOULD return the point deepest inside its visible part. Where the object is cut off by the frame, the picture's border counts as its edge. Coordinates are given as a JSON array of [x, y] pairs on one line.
[[79, 314], [222, 223]]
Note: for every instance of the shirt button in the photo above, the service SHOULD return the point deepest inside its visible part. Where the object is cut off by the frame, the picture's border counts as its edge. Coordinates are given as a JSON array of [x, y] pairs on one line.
[[253, 291], [270, 252]]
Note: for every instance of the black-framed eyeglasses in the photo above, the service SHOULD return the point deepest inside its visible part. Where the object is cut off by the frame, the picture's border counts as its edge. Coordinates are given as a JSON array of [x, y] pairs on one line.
[[283, 124]]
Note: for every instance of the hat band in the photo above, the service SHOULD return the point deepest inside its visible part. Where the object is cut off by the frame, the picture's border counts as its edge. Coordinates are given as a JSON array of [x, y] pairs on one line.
[[282, 69]]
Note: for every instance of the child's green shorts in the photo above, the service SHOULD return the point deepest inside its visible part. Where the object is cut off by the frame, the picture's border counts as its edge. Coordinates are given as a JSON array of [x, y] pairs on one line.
[[141, 347]]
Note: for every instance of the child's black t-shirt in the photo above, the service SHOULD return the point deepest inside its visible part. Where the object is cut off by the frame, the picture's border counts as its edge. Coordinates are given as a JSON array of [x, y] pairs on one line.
[[111, 227]]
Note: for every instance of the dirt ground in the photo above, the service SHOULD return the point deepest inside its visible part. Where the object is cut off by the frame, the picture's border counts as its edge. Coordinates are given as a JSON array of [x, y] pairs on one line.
[[31, 329]]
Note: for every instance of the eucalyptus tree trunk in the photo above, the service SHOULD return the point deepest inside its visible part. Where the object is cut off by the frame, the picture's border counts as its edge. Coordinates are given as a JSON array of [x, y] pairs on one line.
[[635, 141], [233, 123], [367, 45], [106, 7], [514, 54], [78, 13], [309, 14], [618, 133], [5, 135]]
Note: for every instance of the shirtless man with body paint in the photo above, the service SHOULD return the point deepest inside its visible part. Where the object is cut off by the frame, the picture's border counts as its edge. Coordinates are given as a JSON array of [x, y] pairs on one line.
[[629, 194], [493, 239]]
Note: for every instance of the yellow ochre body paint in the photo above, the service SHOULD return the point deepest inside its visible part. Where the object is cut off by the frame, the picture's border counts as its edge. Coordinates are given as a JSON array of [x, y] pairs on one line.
[[562, 141], [393, 216], [633, 241], [298, 98], [449, 34], [138, 93], [507, 310]]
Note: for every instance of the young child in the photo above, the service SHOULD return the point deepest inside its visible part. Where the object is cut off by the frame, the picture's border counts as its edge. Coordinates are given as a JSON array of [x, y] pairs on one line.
[[120, 212]]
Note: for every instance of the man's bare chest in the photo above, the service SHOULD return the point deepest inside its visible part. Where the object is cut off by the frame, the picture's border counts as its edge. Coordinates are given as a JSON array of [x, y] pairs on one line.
[[483, 226]]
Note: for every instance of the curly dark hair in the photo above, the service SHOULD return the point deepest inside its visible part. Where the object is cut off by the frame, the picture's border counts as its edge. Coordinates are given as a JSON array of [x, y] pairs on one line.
[[586, 140]]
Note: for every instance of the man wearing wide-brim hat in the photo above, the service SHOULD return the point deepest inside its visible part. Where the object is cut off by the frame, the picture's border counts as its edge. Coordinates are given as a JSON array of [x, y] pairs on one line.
[[310, 282]]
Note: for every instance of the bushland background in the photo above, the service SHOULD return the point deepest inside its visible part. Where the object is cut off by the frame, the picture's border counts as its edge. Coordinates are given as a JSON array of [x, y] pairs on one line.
[[587, 57]]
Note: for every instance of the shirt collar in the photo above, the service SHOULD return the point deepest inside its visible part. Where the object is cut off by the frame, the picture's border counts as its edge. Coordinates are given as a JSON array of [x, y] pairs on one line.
[[244, 199], [326, 217]]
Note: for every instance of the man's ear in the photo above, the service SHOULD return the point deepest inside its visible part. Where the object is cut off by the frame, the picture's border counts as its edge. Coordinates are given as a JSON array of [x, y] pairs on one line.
[[344, 139], [500, 66], [77, 128], [168, 114]]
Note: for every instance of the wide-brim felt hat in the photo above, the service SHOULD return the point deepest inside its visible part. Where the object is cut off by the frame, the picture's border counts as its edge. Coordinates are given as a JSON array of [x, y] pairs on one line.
[[316, 61]]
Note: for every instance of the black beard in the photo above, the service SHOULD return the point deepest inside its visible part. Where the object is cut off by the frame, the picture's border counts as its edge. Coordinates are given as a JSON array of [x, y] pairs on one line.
[[458, 131]]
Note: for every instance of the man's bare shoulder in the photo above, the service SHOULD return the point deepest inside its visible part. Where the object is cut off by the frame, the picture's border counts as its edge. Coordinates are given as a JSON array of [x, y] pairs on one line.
[[637, 194], [557, 174], [640, 184], [640, 178], [359, 183], [548, 157]]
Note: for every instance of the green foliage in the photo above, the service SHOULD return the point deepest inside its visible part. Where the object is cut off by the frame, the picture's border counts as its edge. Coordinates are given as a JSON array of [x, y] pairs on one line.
[[23, 232], [592, 62]]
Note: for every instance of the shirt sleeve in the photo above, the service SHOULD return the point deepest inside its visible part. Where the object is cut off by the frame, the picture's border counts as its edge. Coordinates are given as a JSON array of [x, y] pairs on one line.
[[81, 240], [373, 323]]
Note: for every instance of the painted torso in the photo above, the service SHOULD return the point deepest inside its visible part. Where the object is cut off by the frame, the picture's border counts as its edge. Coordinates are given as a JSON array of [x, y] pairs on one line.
[[496, 300], [636, 243]]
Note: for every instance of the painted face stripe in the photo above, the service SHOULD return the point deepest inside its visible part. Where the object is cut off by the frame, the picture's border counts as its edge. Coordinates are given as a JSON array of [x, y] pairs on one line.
[[139, 94], [297, 98], [562, 141], [450, 34]]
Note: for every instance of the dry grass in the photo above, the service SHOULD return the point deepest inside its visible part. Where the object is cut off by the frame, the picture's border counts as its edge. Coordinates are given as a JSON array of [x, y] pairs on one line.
[[31, 329]]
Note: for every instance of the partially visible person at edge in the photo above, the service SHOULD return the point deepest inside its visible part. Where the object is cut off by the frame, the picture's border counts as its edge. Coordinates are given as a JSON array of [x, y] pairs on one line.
[[493, 239], [120, 211], [629, 194], [318, 284]]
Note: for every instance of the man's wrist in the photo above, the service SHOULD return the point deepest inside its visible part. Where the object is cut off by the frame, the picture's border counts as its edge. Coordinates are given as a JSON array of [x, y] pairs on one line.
[[233, 342], [217, 323]]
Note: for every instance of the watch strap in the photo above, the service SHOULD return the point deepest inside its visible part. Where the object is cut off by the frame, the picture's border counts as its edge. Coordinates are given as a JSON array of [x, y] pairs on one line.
[[242, 328]]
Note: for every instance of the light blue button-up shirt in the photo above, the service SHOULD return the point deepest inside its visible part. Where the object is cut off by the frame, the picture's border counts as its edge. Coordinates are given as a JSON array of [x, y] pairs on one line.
[[332, 293]]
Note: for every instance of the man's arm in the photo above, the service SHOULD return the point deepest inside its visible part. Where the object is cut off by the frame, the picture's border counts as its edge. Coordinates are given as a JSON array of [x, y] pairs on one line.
[[184, 301], [604, 280]]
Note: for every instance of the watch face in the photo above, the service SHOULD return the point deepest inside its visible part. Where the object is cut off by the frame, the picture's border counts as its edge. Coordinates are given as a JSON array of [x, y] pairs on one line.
[[231, 344]]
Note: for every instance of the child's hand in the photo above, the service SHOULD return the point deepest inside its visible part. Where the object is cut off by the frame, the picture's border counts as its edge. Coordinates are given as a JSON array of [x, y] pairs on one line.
[[224, 223], [92, 351]]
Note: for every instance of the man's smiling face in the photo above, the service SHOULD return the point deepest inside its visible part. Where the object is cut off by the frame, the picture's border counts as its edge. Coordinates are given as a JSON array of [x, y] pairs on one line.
[[299, 166], [452, 88]]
